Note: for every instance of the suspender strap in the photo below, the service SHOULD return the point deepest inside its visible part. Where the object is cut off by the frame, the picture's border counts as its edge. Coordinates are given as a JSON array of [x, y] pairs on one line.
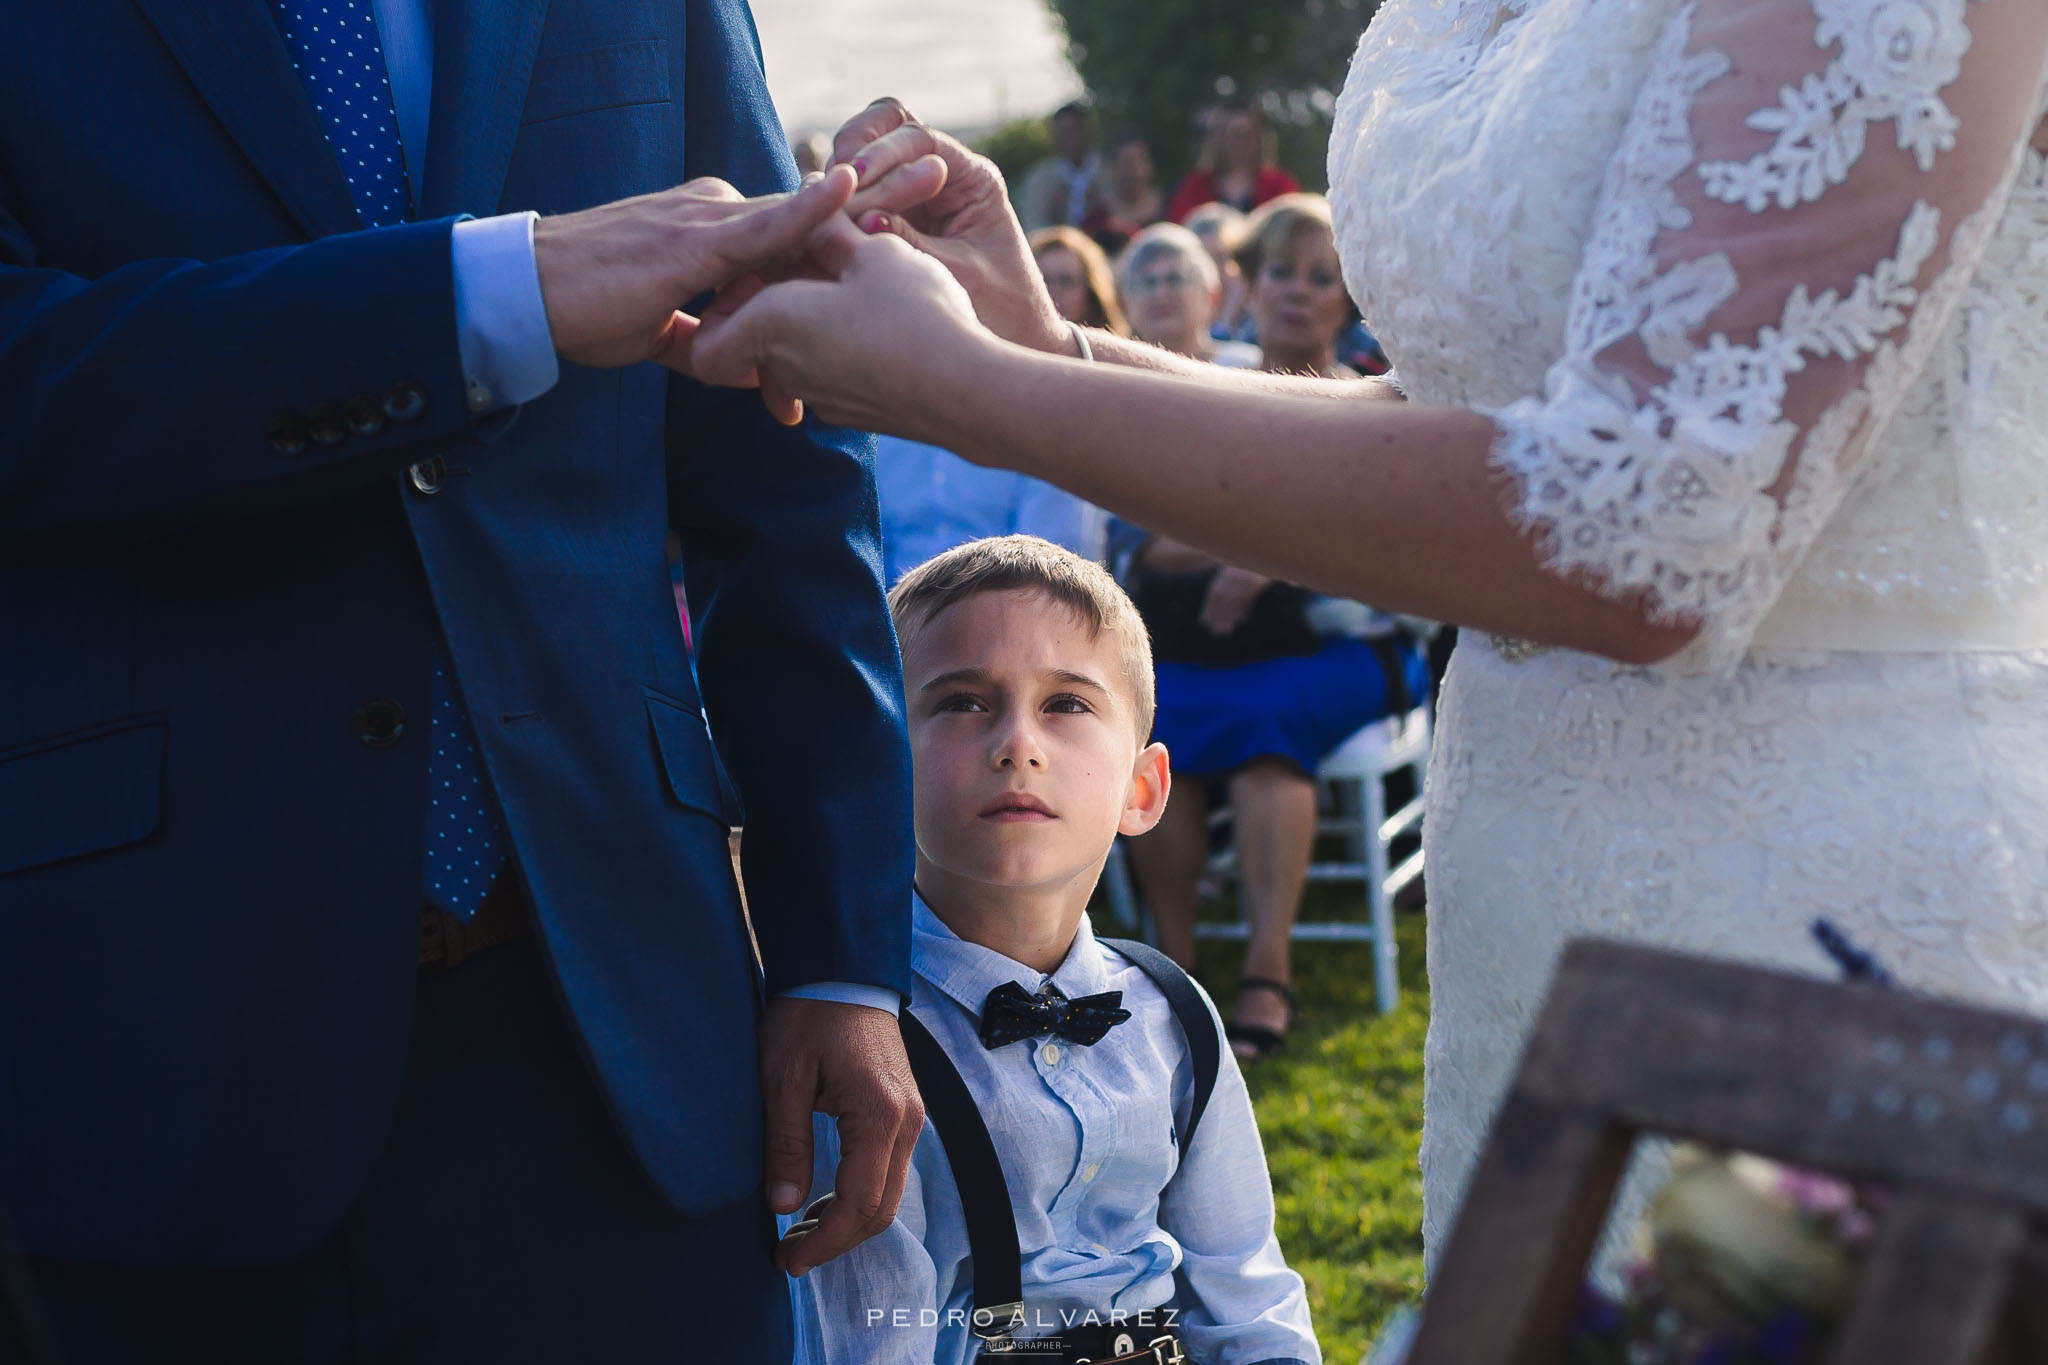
[[984, 1194], [1205, 1045]]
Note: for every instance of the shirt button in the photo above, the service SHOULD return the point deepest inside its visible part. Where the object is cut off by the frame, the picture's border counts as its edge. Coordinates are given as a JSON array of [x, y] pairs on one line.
[[1089, 1174], [405, 402], [326, 425], [1049, 1054], [288, 435], [365, 415], [379, 722], [426, 475]]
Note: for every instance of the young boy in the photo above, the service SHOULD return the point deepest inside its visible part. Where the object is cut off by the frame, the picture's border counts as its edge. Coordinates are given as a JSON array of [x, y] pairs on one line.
[[1028, 680]]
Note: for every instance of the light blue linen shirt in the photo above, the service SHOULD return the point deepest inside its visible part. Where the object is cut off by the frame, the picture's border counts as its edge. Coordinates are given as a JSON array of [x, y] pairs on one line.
[[501, 320], [932, 500], [1111, 1215]]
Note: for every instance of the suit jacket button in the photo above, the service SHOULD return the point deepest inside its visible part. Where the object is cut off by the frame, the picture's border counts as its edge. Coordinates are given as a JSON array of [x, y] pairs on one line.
[[405, 402], [324, 424], [426, 476], [365, 415], [288, 435], [380, 722]]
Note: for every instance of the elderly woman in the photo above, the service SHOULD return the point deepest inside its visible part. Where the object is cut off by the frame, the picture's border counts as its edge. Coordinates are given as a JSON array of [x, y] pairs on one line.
[[1251, 693], [1171, 290], [1078, 277]]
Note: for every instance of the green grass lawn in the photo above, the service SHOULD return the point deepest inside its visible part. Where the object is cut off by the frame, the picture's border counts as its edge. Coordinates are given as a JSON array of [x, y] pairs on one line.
[[1340, 1110]]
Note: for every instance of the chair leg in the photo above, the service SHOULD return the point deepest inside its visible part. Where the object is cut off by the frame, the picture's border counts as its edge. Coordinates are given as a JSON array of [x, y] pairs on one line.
[[1386, 986]]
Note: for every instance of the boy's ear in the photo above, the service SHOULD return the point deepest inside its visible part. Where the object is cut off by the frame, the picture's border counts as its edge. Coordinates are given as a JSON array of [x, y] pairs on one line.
[[1150, 779]]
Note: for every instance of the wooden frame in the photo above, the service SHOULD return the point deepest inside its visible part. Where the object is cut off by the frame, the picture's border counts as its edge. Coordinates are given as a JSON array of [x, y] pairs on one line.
[[1947, 1104]]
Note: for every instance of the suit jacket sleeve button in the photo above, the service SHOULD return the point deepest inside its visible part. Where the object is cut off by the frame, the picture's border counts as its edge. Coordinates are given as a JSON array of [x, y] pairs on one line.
[[365, 415], [426, 475], [405, 402], [324, 424], [288, 435], [379, 722]]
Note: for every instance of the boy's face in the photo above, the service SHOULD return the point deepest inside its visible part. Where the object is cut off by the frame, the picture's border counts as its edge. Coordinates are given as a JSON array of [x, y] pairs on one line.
[[1024, 739]]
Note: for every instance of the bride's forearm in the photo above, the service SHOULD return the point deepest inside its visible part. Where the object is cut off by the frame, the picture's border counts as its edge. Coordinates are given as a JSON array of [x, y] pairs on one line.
[[1110, 349], [1390, 503]]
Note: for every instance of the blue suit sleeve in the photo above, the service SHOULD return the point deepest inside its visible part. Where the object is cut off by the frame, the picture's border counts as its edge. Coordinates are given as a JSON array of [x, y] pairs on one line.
[[171, 391], [782, 565]]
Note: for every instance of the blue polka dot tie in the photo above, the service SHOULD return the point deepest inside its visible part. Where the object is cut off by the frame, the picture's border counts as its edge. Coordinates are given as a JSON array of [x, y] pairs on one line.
[[334, 48]]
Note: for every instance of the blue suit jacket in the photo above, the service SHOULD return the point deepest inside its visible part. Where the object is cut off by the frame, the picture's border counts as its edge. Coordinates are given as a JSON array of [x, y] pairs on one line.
[[210, 880]]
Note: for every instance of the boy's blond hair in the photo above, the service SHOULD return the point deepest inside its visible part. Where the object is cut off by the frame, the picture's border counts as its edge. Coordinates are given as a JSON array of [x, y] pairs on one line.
[[1028, 564]]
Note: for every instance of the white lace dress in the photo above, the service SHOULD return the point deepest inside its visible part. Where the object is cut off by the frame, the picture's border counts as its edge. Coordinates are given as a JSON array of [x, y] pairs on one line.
[[1757, 294]]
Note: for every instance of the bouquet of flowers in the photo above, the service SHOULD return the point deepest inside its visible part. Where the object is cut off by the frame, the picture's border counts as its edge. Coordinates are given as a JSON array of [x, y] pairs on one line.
[[1741, 1261]]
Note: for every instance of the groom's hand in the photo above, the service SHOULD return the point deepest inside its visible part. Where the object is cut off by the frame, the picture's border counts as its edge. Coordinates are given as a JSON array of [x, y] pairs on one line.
[[846, 1061], [616, 278], [950, 202]]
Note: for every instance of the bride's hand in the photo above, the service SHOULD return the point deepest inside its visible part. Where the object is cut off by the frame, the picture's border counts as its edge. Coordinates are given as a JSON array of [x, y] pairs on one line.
[[923, 186], [866, 348]]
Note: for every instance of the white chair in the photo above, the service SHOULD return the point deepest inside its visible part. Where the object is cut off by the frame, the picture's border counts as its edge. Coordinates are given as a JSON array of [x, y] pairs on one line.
[[1353, 802]]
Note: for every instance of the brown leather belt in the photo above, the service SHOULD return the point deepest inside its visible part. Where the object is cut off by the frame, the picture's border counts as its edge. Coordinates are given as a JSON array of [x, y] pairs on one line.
[[446, 941]]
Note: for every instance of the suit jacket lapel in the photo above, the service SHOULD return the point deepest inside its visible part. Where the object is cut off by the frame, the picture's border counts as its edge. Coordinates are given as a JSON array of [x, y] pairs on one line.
[[232, 51], [483, 59]]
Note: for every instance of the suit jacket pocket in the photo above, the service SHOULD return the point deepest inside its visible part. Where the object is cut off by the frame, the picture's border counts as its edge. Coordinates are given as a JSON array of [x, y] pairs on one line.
[[684, 745], [598, 78], [80, 793]]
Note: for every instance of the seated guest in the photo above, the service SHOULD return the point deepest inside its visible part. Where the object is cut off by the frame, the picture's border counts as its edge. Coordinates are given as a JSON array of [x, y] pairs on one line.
[[1171, 291], [1296, 300], [1130, 1210], [1236, 166], [932, 500], [1054, 192], [1125, 196], [1078, 277], [1221, 229], [1258, 682]]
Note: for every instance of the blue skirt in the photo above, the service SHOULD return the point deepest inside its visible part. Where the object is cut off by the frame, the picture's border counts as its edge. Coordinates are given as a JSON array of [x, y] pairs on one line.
[[1215, 720]]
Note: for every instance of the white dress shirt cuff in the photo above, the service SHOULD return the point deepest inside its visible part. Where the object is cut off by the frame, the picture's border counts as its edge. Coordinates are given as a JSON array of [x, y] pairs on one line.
[[501, 321], [847, 993]]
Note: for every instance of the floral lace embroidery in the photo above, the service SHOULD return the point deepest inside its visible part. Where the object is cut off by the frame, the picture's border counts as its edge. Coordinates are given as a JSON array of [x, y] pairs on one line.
[[1671, 493], [1896, 59]]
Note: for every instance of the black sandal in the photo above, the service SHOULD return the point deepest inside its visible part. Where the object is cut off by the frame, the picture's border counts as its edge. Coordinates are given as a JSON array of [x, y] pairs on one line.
[[1262, 1041]]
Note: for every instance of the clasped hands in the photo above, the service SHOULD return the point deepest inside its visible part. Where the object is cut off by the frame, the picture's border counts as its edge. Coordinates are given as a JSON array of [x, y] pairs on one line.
[[905, 251]]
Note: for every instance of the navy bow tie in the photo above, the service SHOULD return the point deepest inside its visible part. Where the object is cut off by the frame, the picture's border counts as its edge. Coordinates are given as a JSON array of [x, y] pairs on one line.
[[1011, 1014]]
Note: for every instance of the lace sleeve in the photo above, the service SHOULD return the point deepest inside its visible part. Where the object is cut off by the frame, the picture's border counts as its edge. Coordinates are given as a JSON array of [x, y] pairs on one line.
[[1802, 189]]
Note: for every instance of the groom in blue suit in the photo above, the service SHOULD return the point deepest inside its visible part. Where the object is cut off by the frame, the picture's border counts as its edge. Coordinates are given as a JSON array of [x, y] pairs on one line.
[[374, 982]]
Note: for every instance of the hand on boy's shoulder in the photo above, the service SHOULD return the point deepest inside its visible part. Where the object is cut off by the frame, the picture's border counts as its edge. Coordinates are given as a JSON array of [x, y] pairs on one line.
[[846, 1061]]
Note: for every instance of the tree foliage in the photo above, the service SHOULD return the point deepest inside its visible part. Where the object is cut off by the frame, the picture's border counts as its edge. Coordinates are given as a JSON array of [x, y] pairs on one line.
[[1152, 65]]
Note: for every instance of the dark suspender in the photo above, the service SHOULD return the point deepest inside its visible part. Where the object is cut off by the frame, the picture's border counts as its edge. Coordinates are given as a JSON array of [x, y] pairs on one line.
[[1205, 1045], [984, 1194], [978, 1173]]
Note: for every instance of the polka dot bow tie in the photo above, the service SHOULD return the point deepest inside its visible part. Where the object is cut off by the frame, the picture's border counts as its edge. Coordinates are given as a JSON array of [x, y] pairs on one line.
[[1011, 1014]]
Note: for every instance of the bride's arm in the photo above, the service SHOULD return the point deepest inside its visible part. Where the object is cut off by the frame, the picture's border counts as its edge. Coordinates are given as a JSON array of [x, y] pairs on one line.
[[1293, 484]]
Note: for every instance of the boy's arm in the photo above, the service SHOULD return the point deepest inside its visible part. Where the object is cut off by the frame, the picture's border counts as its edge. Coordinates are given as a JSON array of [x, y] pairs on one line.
[[1240, 1304], [885, 1301]]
